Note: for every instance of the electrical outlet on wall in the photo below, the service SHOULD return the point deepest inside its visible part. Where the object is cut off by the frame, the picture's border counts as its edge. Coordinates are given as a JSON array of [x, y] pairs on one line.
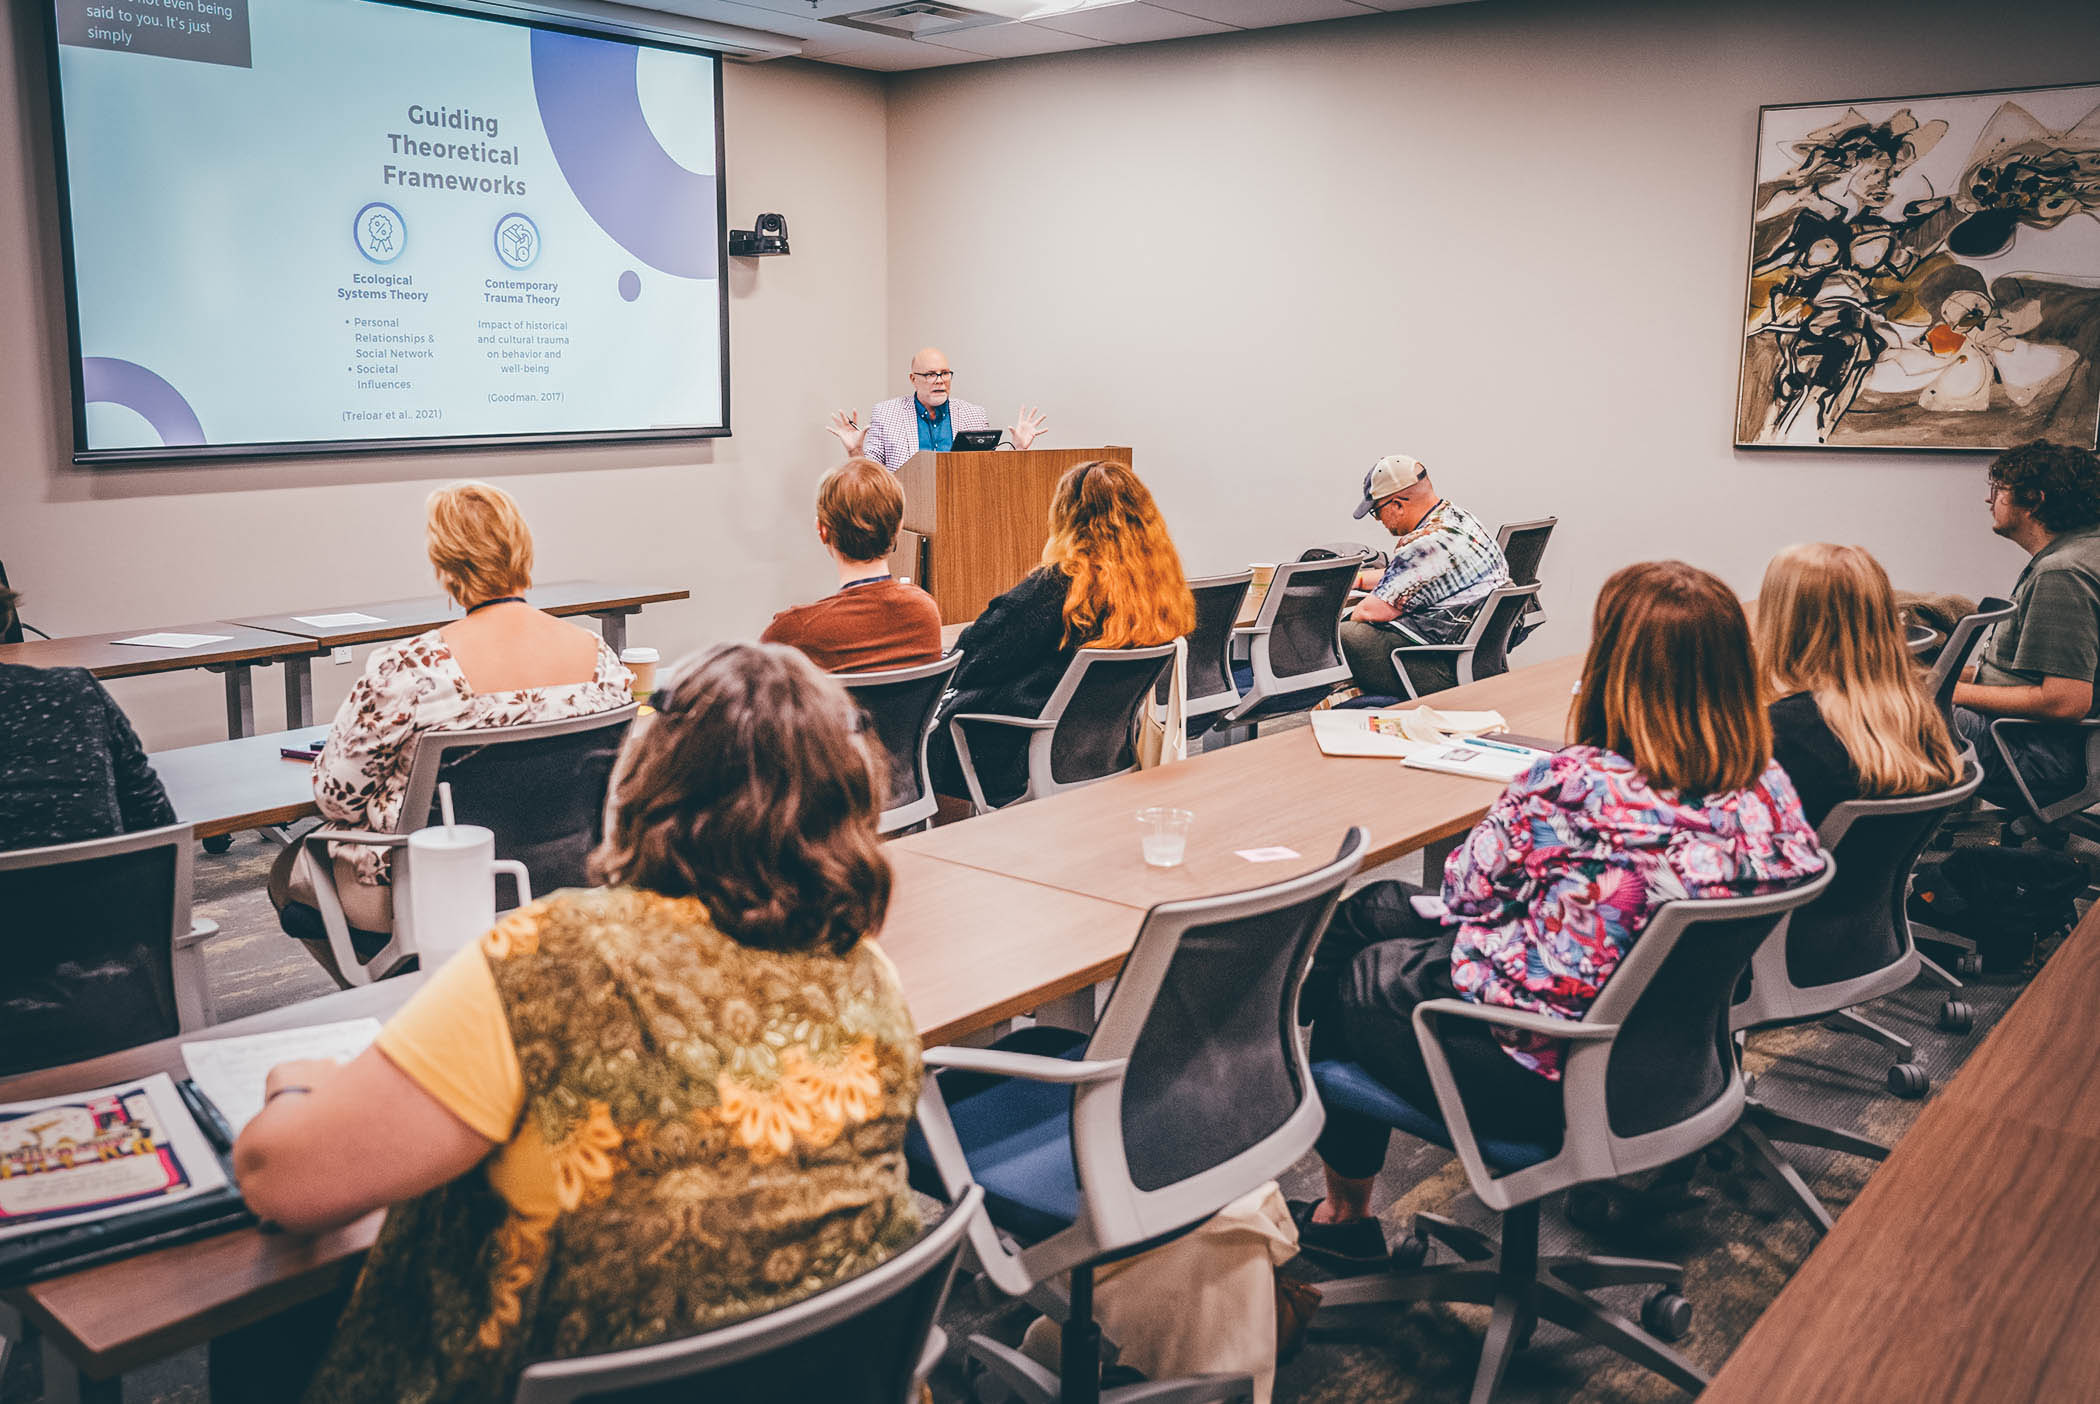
[[339, 654]]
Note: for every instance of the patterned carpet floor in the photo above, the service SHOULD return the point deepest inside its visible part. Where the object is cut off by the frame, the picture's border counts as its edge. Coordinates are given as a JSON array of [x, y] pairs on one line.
[[1738, 1241]]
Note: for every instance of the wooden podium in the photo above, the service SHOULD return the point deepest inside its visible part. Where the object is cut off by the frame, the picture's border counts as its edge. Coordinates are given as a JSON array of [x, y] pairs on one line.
[[983, 518]]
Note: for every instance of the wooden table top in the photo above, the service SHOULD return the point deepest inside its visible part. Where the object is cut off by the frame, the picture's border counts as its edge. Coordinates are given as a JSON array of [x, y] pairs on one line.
[[970, 947], [399, 619], [1965, 1269], [224, 787], [103, 656], [1276, 791]]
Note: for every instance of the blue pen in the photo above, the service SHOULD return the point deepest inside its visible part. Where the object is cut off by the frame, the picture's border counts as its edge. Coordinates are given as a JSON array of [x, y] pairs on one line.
[[1502, 746]]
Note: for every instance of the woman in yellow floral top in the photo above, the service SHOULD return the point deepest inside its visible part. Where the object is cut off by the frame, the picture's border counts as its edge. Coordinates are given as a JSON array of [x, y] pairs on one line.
[[635, 1112]]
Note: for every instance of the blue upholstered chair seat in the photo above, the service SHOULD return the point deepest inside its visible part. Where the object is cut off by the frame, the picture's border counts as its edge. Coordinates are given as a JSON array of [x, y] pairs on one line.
[[1017, 1136], [1243, 679], [1347, 1087], [1365, 704]]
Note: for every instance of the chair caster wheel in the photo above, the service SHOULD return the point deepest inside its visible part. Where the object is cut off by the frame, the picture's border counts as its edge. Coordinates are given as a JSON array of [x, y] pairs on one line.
[[1968, 965], [218, 843], [1411, 1252], [1908, 1080], [1590, 1208], [1957, 1017], [1667, 1315]]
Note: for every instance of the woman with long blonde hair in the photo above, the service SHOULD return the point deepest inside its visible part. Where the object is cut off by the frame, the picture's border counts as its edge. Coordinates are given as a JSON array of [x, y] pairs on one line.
[[1850, 715], [1110, 578]]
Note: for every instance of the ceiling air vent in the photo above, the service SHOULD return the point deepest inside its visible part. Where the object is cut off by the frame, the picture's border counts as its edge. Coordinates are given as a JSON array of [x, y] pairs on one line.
[[917, 19]]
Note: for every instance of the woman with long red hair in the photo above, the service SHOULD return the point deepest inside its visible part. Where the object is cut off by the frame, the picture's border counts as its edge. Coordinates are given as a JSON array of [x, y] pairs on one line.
[[1110, 578]]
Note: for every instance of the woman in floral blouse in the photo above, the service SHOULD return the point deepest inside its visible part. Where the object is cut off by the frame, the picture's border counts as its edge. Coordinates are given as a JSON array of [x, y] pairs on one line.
[[630, 1113], [504, 664], [1669, 791]]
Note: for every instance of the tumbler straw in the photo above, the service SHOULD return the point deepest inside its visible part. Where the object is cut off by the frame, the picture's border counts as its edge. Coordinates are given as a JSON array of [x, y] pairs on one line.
[[445, 808]]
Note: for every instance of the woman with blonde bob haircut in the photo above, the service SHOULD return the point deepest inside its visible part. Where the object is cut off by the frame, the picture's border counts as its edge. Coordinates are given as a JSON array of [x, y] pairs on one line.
[[1669, 790], [1850, 715], [631, 1111], [1110, 578], [503, 664]]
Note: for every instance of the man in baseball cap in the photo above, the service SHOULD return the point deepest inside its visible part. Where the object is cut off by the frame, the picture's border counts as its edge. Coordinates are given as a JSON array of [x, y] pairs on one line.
[[1444, 564]]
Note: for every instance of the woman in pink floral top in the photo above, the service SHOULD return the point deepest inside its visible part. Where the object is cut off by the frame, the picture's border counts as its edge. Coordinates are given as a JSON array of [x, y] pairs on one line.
[[504, 664], [1669, 792]]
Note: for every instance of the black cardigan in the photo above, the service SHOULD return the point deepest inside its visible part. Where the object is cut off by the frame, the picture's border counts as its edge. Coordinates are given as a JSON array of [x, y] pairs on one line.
[[1012, 657], [71, 767], [1812, 756]]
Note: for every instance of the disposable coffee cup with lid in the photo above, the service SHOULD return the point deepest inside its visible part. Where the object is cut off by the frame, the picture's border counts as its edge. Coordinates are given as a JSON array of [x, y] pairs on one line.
[[642, 663]]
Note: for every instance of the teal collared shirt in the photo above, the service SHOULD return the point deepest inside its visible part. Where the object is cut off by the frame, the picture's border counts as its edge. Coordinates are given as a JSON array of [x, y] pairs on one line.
[[936, 426]]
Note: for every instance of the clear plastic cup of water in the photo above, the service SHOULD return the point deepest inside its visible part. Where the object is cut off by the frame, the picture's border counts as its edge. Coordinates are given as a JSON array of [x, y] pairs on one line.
[[1165, 835]]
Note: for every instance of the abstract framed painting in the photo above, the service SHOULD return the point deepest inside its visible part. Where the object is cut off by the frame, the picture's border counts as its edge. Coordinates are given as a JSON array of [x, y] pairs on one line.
[[1925, 273]]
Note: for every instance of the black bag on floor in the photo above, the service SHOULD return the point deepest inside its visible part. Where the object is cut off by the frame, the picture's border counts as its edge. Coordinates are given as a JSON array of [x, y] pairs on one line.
[[2003, 899]]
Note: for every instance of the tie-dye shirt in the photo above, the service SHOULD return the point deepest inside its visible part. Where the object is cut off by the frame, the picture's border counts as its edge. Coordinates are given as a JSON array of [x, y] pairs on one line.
[[1552, 888], [1441, 571]]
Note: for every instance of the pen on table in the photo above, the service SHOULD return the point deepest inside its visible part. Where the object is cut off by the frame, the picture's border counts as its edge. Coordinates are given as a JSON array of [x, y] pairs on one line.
[[1503, 746], [217, 1129]]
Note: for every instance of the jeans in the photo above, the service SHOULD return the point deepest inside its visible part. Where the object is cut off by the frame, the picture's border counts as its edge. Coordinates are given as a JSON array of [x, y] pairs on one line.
[[1378, 960], [2051, 759]]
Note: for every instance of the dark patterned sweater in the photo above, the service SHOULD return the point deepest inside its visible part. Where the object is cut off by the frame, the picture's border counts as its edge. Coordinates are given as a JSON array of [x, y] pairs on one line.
[[71, 767]]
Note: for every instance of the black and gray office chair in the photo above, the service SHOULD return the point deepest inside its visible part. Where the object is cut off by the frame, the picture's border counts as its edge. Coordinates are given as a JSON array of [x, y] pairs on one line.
[[539, 787], [1649, 1076], [1848, 947], [900, 704], [1294, 645], [1484, 651], [1192, 1090], [1523, 548], [1087, 730], [98, 950], [2052, 821], [869, 1340], [1962, 642], [1211, 689], [1918, 638]]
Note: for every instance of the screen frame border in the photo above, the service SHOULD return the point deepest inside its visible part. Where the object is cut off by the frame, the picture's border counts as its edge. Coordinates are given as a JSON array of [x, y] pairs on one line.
[[176, 455]]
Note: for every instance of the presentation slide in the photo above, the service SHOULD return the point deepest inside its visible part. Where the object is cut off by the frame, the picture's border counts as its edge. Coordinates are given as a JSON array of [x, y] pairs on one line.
[[332, 223]]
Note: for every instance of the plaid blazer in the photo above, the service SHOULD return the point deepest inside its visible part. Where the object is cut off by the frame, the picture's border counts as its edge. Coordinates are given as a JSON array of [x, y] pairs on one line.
[[893, 428]]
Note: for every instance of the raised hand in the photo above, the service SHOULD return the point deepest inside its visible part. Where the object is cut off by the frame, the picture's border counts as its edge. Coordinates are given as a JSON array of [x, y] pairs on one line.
[[1027, 424], [845, 425]]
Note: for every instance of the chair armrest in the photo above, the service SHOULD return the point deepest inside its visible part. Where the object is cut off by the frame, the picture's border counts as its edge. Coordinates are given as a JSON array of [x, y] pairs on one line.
[[1004, 1268], [1032, 1066], [369, 838], [202, 929], [1000, 719], [1519, 1020], [1248, 631], [1431, 648]]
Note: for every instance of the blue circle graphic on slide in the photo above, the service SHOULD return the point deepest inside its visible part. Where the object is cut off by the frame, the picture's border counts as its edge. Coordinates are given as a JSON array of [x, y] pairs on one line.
[[380, 231], [630, 285], [517, 242]]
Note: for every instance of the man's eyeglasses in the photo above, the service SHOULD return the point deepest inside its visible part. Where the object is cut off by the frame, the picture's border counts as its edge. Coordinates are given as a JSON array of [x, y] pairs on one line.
[[933, 375]]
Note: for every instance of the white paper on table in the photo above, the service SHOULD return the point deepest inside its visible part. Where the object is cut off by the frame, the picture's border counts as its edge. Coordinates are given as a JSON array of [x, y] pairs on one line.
[[174, 640], [231, 1071], [338, 621], [1367, 732], [102, 1148], [1275, 853]]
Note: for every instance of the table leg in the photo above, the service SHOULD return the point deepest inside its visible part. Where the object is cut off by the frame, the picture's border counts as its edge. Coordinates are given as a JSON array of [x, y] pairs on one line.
[[240, 700], [613, 625], [1074, 1011], [1433, 861], [64, 1384], [298, 692]]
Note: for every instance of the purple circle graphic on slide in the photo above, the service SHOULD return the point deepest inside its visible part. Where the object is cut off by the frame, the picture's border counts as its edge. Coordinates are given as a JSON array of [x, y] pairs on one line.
[[104, 380], [591, 108], [630, 285]]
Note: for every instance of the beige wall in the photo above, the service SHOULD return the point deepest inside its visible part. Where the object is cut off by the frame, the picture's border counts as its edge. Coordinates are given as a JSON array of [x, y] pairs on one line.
[[95, 550], [1508, 238]]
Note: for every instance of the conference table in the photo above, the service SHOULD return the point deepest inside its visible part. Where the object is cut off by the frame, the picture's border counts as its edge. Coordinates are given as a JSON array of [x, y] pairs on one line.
[[990, 918], [239, 646], [235, 651]]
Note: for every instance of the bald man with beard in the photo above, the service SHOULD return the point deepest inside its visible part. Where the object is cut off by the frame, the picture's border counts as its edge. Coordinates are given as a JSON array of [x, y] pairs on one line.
[[927, 418]]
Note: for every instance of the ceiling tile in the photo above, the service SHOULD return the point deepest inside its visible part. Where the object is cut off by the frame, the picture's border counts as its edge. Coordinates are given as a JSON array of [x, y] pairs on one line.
[[1016, 41], [1259, 14], [1131, 24], [898, 55]]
